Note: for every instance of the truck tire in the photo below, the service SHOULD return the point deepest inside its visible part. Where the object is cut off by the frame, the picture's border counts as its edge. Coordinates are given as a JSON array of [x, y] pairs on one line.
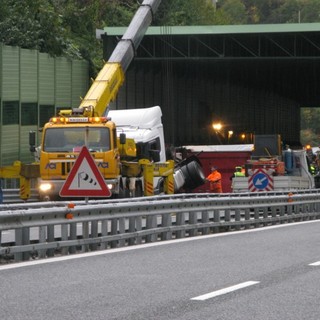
[[193, 174], [179, 180], [196, 173]]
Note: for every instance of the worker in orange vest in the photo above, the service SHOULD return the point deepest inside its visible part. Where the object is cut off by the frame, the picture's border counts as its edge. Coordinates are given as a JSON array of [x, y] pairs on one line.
[[215, 180]]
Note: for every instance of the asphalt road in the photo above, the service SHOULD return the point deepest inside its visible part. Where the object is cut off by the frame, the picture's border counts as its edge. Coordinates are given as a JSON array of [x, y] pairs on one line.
[[260, 274]]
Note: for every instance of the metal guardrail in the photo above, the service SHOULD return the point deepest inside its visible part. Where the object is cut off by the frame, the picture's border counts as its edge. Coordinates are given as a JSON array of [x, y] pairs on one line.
[[43, 230], [12, 196]]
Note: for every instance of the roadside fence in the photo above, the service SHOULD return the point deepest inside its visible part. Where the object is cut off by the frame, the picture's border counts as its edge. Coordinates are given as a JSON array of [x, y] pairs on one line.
[[47, 229]]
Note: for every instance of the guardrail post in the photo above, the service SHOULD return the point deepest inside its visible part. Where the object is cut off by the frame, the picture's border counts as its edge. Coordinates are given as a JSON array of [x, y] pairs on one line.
[[237, 217], [193, 219], [296, 210], [94, 234], [132, 228], [73, 236], [273, 214], [227, 218], [114, 231], [85, 235], [42, 239], [0, 236], [265, 215], [22, 237], [247, 218], [293, 212], [122, 230], [205, 219], [139, 228], [1, 193], [257, 217], [166, 222], [313, 210], [317, 209], [216, 219], [64, 237], [50, 229], [104, 233], [151, 224], [305, 209], [282, 213], [18, 242], [289, 212], [180, 221]]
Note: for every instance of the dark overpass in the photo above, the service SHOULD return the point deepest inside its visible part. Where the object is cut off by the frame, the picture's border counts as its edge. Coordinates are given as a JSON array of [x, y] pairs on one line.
[[252, 78]]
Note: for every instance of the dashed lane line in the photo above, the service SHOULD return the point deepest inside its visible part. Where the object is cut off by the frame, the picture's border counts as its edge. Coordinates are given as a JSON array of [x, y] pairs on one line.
[[225, 290]]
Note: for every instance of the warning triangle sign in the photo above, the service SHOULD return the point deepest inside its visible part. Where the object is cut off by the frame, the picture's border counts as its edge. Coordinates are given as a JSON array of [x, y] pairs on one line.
[[85, 179]]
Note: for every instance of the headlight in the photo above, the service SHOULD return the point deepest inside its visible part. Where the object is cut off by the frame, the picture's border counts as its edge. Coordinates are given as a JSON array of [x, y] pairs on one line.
[[110, 186], [45, 187]]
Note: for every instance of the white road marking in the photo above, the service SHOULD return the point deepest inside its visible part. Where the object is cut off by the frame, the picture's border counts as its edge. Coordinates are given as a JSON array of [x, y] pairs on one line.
[[225, 290], [315, 264]]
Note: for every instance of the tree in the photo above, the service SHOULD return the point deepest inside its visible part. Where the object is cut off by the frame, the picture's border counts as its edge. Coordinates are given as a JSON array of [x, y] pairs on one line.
[[67, 27], [310, 131], [288, 12], [296, 11], [81, 18], [310, 11], [266, 7], [235, 10], [31, 24], [185, 13]]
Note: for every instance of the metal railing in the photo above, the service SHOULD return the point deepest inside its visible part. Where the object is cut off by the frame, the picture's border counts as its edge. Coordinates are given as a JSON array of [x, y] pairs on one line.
[[43, 230], [12, 196]]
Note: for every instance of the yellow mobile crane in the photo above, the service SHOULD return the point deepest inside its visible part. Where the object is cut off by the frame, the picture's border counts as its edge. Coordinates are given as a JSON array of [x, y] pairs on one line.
[[117, 158], [127, 167]]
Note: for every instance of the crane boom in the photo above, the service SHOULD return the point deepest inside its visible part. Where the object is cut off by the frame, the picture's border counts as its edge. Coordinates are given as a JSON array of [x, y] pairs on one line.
[[109, 80]]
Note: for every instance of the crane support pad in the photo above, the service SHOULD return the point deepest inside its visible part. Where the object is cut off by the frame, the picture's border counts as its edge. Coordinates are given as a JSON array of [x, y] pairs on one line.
[[30, 171]]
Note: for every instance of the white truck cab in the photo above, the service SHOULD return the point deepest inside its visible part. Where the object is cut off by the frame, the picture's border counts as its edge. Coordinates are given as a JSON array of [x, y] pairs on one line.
[[144, 125]]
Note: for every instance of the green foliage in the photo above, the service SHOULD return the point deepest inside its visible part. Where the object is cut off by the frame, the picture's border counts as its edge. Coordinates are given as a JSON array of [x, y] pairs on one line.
[[308, 137], [235, 11], [185, 13], [296, 11], [289, 12], [265, 8], [310, 11], [310, 129], [67, 27], [62, 27], [31, 24]]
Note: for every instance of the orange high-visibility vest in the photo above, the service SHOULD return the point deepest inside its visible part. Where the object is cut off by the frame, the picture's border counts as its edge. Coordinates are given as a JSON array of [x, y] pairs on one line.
[[215, 182]]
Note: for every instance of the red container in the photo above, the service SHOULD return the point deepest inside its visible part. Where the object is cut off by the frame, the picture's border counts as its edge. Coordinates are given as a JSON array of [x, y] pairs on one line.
[[224, 157]]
